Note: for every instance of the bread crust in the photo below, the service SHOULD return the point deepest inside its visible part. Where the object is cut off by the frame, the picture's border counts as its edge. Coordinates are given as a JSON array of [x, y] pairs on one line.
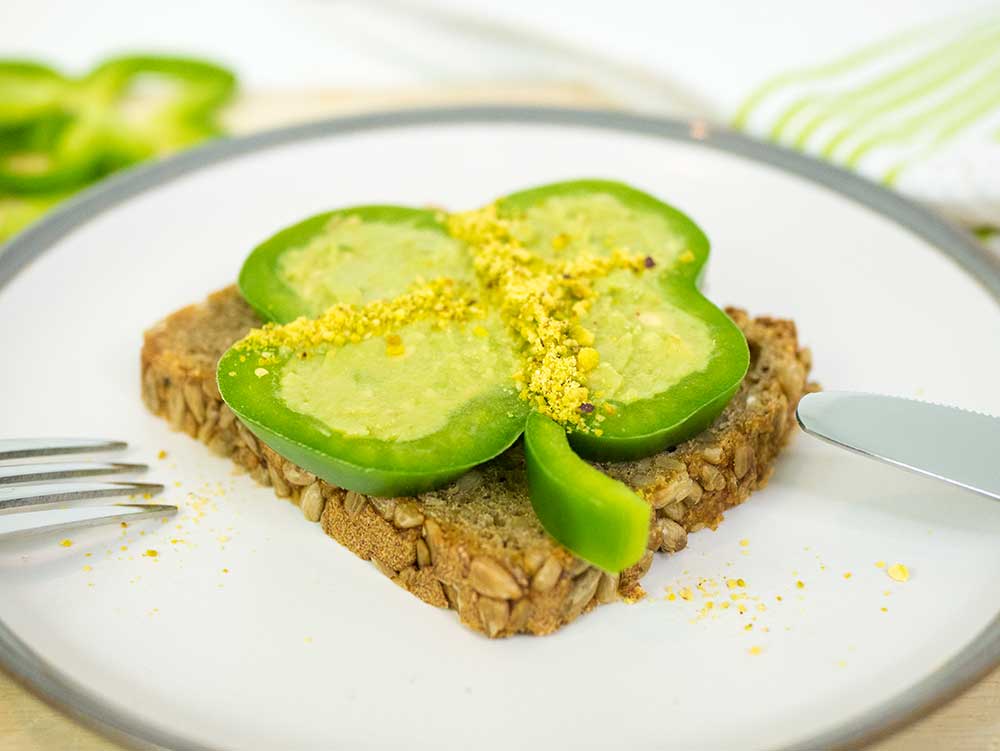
[[477, 546]]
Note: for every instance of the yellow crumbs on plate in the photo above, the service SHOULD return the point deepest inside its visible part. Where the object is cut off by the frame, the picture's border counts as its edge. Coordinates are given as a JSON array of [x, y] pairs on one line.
[[66, 543], [151, 554], [756, 650], [879, 564], [898, 572]]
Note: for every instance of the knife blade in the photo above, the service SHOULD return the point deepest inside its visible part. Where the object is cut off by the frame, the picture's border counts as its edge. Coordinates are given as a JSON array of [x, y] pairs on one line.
[[947, 443]]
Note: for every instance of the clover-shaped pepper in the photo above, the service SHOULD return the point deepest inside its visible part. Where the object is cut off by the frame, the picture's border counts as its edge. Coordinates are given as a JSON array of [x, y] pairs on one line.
[[406, 346]]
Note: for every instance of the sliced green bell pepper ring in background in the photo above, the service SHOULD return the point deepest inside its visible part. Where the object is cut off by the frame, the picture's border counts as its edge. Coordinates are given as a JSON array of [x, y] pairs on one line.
[[158, 105], [75, 154], [28, 92], [681, 400], [105, 121], [596, 517]]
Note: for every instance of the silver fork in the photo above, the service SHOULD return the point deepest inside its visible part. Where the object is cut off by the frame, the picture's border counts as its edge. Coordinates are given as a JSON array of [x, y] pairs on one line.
[[34, 496]]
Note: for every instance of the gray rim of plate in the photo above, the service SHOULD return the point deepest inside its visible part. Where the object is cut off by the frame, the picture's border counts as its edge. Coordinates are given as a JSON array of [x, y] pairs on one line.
[[958, 673]]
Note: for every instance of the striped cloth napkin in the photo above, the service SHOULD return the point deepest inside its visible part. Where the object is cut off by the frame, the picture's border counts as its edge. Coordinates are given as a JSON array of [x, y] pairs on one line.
[[919, 112]]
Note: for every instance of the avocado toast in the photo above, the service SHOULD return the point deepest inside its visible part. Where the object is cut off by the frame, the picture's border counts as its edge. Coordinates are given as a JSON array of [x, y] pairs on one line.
[[483, 539]]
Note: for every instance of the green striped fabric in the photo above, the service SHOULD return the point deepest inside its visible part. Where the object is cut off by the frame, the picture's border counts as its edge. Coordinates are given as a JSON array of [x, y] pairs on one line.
[[920, 111]]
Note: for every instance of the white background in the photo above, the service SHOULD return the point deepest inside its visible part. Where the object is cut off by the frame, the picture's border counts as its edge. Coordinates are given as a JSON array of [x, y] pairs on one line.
[[673, 55]]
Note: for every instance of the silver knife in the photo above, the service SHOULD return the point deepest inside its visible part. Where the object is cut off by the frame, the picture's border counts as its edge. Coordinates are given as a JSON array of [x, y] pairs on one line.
[[948, 443]]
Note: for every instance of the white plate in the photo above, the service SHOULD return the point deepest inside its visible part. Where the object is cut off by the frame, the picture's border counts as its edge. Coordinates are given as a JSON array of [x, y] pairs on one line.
[[254, 630]]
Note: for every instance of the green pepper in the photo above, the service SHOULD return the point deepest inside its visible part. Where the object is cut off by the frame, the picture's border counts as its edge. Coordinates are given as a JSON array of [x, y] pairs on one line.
[[28, 92], [306, 268], [684, 406], [158, 105], [598, 518], [640, 360], [283, 392], [68, 133]]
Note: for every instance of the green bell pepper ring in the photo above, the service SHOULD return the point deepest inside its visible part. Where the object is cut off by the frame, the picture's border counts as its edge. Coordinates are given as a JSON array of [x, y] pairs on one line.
[[28, 92], [158, 105], [685, 403], [473, 412], [473, 432], [294, 273], [598, 518], [101, 123], [76, 154]]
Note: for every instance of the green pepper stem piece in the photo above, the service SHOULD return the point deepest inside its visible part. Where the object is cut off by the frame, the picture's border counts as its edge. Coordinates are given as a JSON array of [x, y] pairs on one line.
[[597, 518]]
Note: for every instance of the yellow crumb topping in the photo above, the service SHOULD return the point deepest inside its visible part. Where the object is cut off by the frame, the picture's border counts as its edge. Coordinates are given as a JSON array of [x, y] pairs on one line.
[[542, 303], [588, 359], [394, 345], [441, 299]]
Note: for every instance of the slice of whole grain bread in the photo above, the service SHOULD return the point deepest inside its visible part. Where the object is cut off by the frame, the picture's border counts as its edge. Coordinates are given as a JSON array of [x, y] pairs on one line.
[[477, 546]]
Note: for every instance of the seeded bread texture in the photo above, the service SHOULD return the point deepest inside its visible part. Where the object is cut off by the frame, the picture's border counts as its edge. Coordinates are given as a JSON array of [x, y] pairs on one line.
[[476, 546]]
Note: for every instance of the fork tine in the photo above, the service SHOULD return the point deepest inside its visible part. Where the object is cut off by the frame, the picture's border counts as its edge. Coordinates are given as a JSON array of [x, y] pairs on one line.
[[20, 448], [37, 522], [64, 492], [16, 473]]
